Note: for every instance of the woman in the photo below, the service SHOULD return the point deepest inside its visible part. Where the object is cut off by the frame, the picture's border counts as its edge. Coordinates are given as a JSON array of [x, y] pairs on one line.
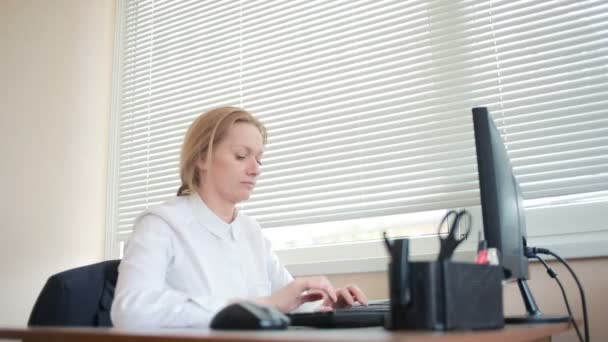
[[194, 254]]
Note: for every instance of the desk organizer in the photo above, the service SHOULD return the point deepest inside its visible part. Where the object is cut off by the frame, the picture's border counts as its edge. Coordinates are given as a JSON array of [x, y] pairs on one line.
[[445, 295]]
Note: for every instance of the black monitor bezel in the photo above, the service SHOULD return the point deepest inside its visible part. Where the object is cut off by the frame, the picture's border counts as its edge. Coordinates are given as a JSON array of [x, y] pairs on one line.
[[501, 197]]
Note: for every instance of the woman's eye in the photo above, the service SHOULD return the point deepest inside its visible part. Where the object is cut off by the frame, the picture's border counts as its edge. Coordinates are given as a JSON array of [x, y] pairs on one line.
[[259, 162], [240, 157]]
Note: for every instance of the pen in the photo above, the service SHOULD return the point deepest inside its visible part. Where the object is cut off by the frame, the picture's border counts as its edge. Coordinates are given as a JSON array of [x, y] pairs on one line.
[[482, 251], [387, 243]]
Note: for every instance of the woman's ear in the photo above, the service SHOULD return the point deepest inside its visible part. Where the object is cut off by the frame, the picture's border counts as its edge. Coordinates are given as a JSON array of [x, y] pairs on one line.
[[201, 164]]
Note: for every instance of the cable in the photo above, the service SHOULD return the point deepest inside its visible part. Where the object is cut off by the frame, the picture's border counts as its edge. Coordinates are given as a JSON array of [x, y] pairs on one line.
[[532, 251], [553, 275]]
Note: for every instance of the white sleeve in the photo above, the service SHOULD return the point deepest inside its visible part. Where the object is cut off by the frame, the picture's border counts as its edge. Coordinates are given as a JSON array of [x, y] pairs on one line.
[[143, 299], [277, 273]]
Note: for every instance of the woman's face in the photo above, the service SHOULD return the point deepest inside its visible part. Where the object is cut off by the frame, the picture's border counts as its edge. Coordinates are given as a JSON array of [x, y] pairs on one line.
[[232, 172]]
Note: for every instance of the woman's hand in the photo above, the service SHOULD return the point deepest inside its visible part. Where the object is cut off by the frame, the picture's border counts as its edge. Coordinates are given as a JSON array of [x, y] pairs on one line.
[[347, 296], [300, 291]]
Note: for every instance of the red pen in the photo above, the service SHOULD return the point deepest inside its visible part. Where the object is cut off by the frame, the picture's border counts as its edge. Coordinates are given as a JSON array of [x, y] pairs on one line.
[[482, 252]]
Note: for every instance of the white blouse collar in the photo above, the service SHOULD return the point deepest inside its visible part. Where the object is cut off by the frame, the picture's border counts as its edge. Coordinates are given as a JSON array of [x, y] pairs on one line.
[[208, 219]]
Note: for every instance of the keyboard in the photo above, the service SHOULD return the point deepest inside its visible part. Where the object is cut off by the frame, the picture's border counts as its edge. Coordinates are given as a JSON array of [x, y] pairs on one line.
[[353, 317]]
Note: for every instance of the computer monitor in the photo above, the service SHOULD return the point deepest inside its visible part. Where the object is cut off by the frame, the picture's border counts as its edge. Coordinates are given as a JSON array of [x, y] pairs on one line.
[[502, 208], [504, 222]]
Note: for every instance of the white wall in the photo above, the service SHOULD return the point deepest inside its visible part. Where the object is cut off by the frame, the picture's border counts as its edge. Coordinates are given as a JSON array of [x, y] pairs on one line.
[[55, 84]]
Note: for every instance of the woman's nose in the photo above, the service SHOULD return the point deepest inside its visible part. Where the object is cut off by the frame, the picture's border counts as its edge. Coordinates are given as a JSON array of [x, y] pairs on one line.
[[254, 167]]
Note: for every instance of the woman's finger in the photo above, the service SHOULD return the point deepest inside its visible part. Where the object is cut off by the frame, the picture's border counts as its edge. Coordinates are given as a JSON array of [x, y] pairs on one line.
[[313, 296], [345, 296], [357, 293], [321, 283]]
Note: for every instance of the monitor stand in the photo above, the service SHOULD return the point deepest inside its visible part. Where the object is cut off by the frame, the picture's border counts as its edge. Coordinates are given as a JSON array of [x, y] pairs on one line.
[[533, 312]]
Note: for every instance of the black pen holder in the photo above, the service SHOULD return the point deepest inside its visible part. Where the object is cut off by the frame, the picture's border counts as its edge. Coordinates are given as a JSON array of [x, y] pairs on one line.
[[445, 295]]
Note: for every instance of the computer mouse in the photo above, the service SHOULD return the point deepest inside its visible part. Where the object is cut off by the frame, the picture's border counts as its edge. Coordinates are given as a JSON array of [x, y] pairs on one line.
[[249, 316]]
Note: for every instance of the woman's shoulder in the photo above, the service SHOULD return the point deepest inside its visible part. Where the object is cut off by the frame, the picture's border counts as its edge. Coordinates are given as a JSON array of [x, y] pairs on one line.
[[248, 220], [250, 227], [173, 210]]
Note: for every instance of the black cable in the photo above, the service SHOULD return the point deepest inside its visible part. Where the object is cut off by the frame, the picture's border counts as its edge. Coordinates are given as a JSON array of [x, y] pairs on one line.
[[553, 275], [532, 251]]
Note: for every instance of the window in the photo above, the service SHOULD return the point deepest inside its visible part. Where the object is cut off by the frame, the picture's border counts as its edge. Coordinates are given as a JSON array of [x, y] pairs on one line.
[[367, 104]]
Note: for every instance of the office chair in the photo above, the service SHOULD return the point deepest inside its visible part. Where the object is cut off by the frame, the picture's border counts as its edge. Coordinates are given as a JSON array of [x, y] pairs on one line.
[[78, 297]]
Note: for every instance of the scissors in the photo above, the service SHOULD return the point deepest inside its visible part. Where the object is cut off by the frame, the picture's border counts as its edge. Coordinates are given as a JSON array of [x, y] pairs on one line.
[[449, 243]]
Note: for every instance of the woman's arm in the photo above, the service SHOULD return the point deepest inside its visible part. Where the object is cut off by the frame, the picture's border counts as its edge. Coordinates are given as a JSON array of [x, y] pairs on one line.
[[304, 294], [320, 298], [143, 297]]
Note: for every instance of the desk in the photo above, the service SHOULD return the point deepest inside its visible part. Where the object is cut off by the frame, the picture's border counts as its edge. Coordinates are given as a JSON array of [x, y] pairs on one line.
[[518, 333]]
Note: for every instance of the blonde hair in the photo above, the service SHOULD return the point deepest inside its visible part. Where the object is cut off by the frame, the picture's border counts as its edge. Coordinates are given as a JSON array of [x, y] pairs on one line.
[[205, 132]]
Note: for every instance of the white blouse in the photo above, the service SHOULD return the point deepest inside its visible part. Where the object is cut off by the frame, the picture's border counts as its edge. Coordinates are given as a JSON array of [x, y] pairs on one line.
[[182, 264]]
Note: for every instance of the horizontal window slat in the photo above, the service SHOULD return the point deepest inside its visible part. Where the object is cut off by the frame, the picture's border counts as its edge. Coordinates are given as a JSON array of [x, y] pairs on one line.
[[532, 193], [163, 25], [330, 169], [269, 187], [284, 179], [360, 189], [380, 209], [359, 149], [129, 169], [361, 200], [155, 196], [589, 128], [562, 173], [165, 175], [556, 144], [400, 206], [560, 157]]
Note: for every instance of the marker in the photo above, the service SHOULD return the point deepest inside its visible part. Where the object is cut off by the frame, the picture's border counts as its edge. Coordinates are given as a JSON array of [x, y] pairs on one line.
[[482, 252]]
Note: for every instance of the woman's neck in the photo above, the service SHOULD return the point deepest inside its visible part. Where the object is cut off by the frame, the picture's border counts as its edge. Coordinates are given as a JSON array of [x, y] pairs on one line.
[[222, 209]]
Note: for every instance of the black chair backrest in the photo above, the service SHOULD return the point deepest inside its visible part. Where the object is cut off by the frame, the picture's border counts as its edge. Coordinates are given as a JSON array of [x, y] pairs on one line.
[[78, 297]]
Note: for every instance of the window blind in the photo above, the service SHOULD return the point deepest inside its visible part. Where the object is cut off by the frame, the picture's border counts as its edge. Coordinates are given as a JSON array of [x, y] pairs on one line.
[[367, 103]]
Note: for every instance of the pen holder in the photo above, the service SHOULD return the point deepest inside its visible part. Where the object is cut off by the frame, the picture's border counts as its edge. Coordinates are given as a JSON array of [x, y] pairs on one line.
[[445, 295]]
